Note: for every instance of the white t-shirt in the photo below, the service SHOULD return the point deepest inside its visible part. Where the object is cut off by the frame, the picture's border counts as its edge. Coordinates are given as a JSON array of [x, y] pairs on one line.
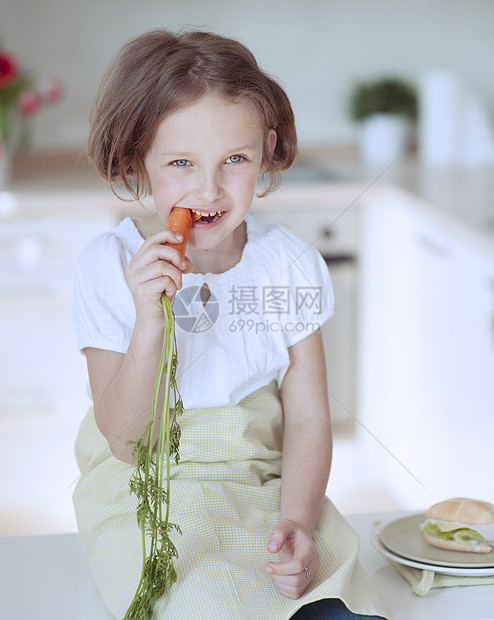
[[276, 295]]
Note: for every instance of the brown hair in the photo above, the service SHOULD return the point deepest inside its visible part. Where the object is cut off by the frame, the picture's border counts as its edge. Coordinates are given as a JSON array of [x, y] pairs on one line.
[[160, 72]]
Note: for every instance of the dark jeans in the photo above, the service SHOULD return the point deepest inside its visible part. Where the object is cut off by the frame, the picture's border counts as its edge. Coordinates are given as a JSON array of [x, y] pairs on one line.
[[329, 609]]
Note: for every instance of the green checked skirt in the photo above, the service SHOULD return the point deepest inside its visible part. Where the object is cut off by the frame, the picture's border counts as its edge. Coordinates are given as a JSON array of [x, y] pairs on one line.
[[225, 496]]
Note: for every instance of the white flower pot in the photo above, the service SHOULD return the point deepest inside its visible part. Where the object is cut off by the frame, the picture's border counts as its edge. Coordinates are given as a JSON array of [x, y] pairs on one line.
[[384, 137]]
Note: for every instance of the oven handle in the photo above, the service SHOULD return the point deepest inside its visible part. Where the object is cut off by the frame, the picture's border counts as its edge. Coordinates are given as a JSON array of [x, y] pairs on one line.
[[339, 259]]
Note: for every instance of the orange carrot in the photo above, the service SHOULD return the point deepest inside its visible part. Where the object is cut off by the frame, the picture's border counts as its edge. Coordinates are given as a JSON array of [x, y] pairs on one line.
[[180, 221]]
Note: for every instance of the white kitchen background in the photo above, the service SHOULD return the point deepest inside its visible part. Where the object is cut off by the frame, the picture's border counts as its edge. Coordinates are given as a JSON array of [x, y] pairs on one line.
[[317, 48], [412, 367]]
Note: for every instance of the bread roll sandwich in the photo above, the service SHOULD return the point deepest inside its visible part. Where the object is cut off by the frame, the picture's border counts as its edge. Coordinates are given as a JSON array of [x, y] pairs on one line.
[[460, 524]]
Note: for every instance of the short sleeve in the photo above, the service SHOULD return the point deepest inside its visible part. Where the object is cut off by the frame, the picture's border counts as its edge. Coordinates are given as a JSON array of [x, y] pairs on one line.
[[313, 297], [103, 309], [304, 299]]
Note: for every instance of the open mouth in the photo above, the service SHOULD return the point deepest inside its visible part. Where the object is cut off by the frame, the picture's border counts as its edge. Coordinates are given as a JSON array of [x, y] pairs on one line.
[[206, 218]]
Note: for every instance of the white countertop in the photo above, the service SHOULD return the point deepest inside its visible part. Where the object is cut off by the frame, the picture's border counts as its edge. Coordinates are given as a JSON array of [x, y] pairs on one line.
[[48, 577]]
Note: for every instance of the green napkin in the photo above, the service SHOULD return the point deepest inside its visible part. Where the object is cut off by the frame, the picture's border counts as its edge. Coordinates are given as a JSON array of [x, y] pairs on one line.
[[422, 581]]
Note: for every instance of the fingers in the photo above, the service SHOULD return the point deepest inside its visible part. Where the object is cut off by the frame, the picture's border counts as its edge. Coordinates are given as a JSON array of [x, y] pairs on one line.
[[152, 282], [277, 539], [299, 559], [292, 582], [161, 246], [156, 268], [294, 570]]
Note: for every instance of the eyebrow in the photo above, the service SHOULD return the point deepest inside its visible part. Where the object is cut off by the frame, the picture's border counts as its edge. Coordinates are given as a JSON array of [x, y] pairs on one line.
[[184, 154], [176, 154]]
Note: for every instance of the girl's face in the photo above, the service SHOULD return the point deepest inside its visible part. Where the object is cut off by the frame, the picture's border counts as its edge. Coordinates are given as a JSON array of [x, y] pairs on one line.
[[206, 157]]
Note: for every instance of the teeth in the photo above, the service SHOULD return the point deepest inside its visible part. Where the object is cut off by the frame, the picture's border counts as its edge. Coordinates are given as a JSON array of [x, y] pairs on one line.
[[210, 214]]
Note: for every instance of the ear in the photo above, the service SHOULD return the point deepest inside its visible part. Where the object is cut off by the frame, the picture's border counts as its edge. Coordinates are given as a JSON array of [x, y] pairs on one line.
[[269, 146]]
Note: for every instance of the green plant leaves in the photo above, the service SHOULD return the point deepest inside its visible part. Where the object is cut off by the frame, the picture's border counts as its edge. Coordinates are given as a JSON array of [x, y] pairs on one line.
[[150, 482], [383, 96]]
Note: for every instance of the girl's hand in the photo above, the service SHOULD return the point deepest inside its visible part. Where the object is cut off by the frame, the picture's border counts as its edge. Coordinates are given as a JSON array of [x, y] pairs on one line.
[[155, 269], [297, 552]]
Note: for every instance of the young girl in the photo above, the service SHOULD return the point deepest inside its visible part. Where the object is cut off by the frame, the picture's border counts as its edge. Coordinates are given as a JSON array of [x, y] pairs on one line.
[[192, 120]]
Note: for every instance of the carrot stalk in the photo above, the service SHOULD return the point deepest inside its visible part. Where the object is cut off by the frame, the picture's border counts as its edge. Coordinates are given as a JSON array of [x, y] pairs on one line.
[[148, 481], [180, 221]]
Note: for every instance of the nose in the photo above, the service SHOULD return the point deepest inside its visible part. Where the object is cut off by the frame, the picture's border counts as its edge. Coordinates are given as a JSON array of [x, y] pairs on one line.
[[209, 186]]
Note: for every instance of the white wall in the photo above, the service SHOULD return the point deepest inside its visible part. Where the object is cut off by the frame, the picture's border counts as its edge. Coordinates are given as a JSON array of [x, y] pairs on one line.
[[317, 48]]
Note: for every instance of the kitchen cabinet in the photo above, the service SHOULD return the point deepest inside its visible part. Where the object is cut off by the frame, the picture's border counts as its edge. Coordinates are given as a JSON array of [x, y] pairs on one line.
[[37, 260], [43, 394], [427, 356]]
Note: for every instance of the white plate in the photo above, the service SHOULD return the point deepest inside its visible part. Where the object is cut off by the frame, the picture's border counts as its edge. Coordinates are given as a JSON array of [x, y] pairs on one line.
[[444, 570], [404, 538]]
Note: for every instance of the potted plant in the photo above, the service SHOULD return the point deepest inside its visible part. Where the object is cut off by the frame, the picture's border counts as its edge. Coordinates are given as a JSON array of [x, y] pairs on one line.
[[386, 108], [20, 98]]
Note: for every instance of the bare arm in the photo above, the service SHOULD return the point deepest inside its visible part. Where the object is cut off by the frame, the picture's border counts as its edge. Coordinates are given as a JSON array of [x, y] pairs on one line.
[[122, 388], [306, 463], [123, 385]]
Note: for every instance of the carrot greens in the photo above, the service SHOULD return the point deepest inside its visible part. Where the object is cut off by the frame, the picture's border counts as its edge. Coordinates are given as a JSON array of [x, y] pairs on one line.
[[150, 482]]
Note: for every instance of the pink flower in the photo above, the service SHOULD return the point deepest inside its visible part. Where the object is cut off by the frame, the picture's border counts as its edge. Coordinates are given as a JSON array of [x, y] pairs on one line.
[[29, 102], [8, 69], [49, 89]]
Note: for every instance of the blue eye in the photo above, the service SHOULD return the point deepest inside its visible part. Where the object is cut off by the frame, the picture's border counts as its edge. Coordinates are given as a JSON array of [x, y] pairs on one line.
[[180, 162], [235, 159]]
